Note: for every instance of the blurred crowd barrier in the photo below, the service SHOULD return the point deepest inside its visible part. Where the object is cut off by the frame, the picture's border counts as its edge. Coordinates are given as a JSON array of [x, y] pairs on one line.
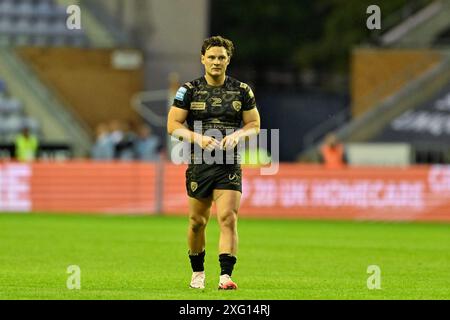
[[416, 193]]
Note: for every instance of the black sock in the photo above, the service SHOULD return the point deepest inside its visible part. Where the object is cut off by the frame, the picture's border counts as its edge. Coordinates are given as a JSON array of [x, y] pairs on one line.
[[227, 262], [197, 261]]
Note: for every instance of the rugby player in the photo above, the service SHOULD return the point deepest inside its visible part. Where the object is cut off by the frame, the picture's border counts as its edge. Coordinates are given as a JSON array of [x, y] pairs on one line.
[[216, 101]]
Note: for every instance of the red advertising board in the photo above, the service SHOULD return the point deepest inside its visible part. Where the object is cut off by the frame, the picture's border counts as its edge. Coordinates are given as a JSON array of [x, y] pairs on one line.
[[311, 191], [81, 187], [420, 193]]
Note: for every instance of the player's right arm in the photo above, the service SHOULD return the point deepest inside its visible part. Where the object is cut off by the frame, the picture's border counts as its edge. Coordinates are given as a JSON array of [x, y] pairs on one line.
[[176, 128], [178, 114]]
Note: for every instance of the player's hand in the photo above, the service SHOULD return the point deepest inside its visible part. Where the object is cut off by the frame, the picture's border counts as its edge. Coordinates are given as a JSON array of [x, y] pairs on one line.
[[209, 143], [230, 141]]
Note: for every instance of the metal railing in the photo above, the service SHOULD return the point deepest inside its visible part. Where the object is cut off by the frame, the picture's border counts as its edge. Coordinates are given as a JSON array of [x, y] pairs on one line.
[[410, 23], [140, 103], [397, 17]]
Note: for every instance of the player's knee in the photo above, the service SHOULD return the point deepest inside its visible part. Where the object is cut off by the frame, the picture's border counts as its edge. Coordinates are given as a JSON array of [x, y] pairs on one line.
[[197, 223], [228, 219]]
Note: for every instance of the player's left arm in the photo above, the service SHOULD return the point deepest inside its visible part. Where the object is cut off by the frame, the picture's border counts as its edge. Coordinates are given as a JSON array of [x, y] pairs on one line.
[[252, 124]]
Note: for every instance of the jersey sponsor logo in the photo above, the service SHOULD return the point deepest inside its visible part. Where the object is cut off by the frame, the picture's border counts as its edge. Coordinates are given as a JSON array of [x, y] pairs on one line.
[[237, 105], [198, 105], [233, 92], [194, 186], [250, 93], [216, 102], [180, 94]]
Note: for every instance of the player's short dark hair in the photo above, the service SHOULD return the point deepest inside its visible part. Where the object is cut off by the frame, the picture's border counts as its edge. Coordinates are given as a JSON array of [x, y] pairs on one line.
[[218, 41]]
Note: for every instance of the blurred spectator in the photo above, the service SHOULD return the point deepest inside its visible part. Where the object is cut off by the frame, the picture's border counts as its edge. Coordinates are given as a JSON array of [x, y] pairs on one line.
[[26, 146], [147, 145], [332, 153], [117, 140], [103, 149], [125, 147], [116, 131]]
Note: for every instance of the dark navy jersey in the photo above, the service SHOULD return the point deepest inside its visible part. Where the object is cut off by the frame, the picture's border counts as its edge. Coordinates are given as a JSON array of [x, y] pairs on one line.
[[215, 107]]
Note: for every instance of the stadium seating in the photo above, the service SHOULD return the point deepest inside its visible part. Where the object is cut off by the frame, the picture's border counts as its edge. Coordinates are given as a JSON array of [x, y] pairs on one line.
[[37, 23], [13, 117]]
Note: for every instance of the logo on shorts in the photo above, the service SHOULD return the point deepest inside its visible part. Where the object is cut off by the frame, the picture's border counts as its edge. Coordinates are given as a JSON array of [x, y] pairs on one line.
[[194, 186], [234, 179], [237, 105]]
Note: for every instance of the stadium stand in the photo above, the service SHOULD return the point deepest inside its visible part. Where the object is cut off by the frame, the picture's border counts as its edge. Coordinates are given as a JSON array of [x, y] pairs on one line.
[[63, 115], [385, 120], [13, 117], [377, 74], [396, 84], [37, 23], [92, 72], [58, 125], [424, 126]]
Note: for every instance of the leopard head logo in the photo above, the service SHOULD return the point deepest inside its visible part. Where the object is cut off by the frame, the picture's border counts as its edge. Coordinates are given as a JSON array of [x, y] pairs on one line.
[[237, 105]]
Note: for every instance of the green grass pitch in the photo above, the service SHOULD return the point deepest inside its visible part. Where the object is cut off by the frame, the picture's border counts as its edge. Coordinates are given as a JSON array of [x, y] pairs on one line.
[[146, 258]]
